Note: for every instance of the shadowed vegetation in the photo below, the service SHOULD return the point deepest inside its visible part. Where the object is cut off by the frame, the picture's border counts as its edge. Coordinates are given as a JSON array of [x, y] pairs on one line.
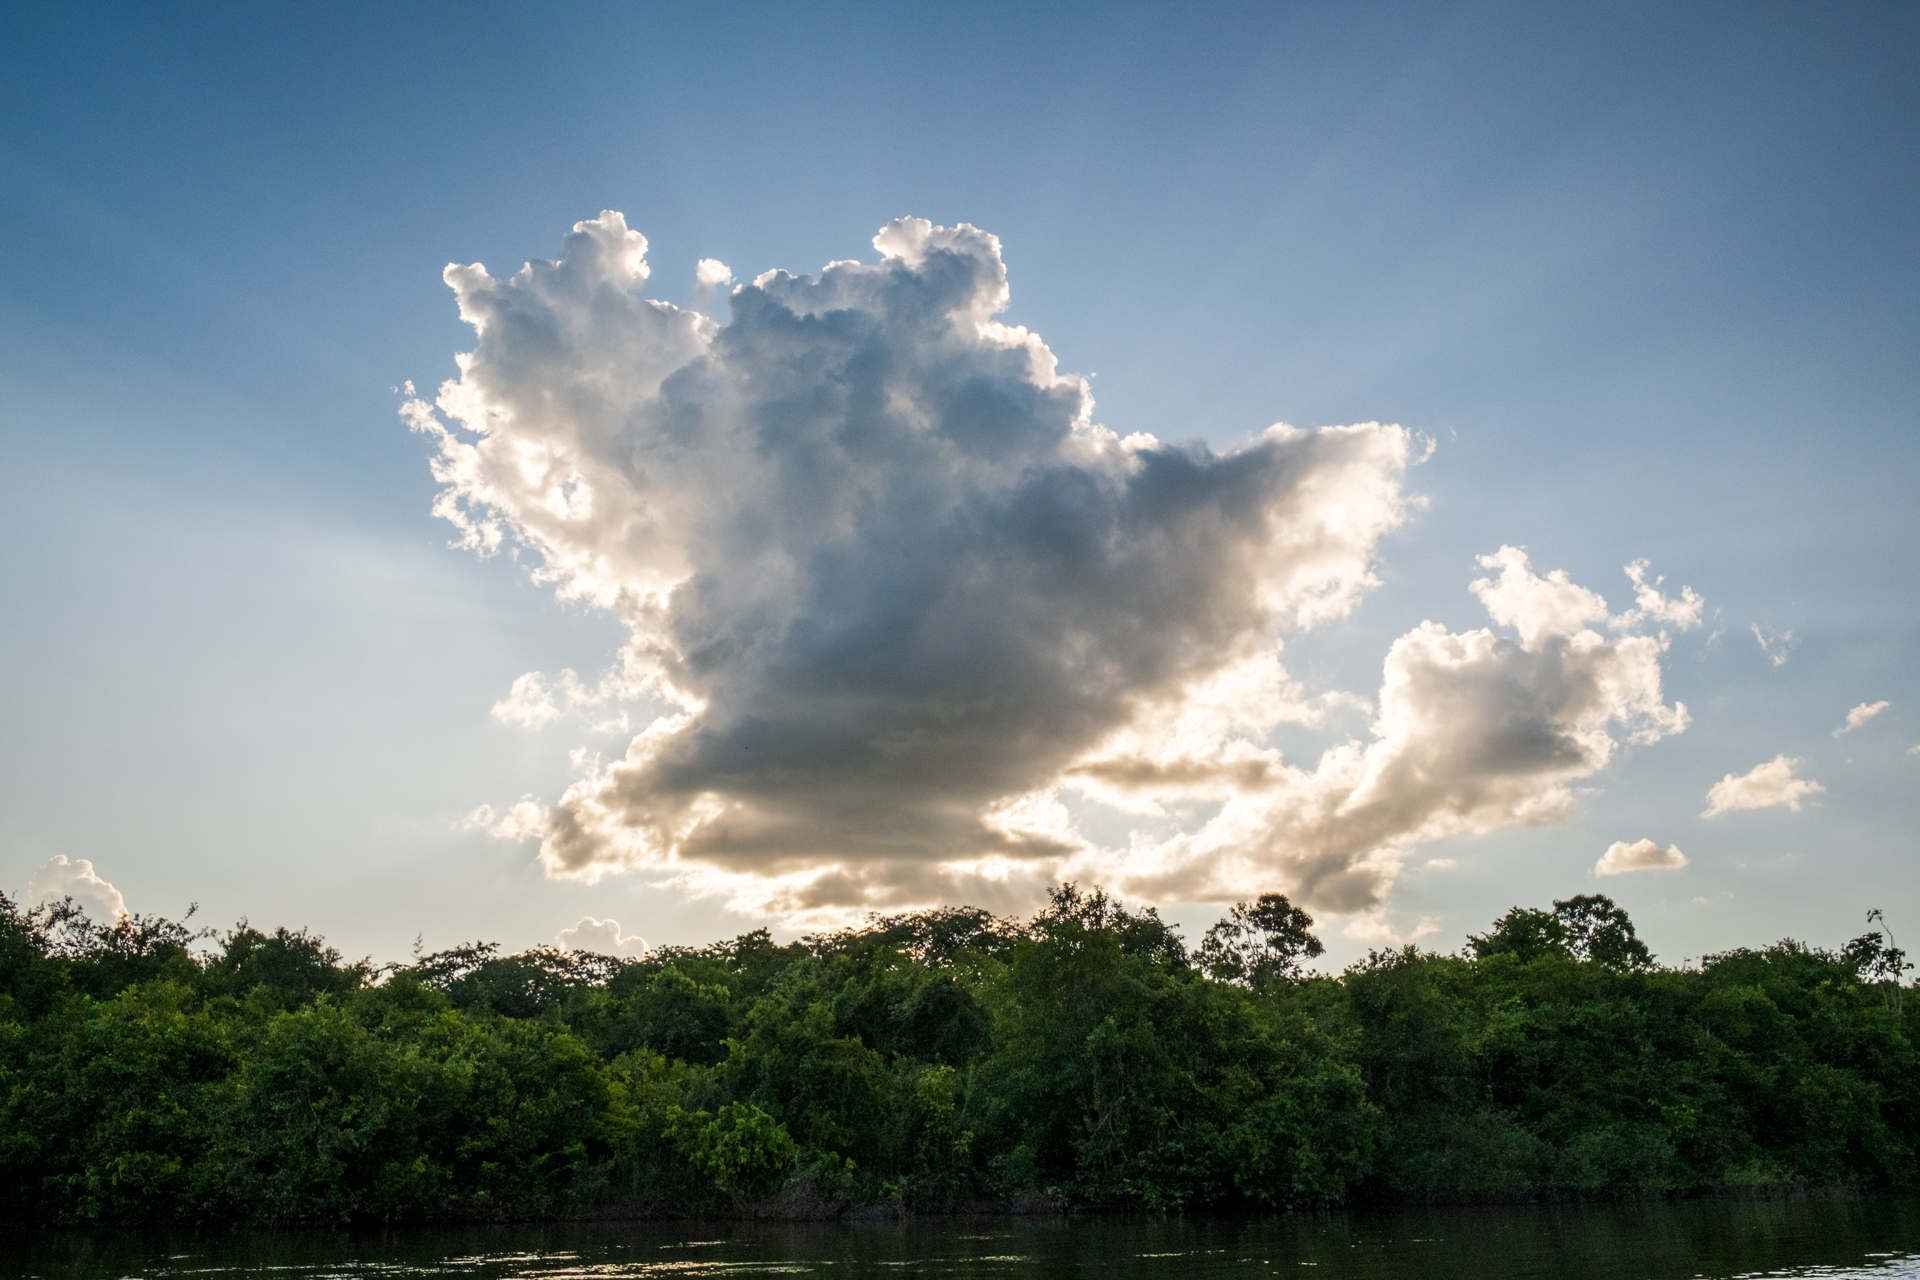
[[150, 1073]]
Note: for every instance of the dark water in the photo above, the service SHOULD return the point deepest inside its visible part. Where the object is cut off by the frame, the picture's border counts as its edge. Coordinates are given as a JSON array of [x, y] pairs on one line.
[[1877, 1238]]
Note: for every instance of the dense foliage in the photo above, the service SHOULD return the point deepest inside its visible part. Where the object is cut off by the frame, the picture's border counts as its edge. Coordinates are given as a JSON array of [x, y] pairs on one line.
[[150, 1073]]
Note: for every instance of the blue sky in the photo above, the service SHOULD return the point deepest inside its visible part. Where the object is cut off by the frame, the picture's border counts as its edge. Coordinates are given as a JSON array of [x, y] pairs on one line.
[[1646, 275]]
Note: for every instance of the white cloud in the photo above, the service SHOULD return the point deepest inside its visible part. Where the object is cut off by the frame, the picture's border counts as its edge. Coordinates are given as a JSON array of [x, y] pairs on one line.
[[59, 878], [889, 587], [712, 272], [1442, 864], [1762, 787], [1860, 715], [1653, 605], [534, 701], [1641, 855], [1374, 927], [522, 821], [530, 703], [1534, 606], [1474, 732], [1775, 644], [601, 936]]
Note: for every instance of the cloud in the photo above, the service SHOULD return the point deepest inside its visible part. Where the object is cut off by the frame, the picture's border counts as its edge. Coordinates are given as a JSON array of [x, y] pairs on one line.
[[1775, 644], [1860, 715], [1474, 732], [60, 878], [521, 821], [1641, 855], [1442, 864], [1534, 606], [1762, 787], [1376, 928], [897, 603], [1652, 605], [601, 936], [530, 703], [711, 272], [534, 701]]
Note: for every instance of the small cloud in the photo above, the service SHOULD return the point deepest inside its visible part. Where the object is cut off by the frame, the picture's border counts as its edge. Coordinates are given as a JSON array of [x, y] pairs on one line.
[[1442, 864], [530, 703], [1650, 603], [523, 821], [1762, 787], [62, 879], [1375, 927], [1641, 855], [1775, 644], [602, 937], [1860, 715], [1914, 750]]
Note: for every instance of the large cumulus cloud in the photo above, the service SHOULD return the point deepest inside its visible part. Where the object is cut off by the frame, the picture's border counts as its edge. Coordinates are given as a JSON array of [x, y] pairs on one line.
[[895, 594]]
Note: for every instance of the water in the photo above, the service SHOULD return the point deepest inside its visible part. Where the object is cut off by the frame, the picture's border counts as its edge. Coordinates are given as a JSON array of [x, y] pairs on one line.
[[1868, 1238]]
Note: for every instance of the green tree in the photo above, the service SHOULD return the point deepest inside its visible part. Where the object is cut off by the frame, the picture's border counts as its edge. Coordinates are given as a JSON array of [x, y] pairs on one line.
[[1587, 926], [1261, 943], [743, 1149]]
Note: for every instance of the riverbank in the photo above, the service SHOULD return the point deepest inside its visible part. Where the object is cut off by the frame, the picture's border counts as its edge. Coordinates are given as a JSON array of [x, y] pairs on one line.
[[1872, 1239]]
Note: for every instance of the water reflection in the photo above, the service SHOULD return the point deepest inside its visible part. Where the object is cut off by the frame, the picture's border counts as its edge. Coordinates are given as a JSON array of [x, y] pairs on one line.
[[1870, 1238]]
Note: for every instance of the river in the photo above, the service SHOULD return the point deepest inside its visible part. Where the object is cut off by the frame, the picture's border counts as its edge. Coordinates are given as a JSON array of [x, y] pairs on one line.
[[1865, 1238]]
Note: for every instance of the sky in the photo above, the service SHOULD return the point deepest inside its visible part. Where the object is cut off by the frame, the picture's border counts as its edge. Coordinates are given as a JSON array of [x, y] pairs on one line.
[[886, 439]]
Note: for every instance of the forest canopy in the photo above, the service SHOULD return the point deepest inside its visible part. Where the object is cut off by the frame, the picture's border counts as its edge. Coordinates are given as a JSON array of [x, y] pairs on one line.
[[150, 1072]]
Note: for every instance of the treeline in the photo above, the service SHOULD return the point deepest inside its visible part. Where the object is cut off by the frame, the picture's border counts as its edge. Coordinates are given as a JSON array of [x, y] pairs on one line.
[[944, 1058]]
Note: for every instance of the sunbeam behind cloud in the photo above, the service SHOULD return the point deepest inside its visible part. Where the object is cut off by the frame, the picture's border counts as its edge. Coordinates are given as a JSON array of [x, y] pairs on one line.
[[891, 591]]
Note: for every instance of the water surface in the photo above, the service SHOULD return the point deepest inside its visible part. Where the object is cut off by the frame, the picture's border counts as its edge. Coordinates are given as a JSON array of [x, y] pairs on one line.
[[1867, 1238]]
